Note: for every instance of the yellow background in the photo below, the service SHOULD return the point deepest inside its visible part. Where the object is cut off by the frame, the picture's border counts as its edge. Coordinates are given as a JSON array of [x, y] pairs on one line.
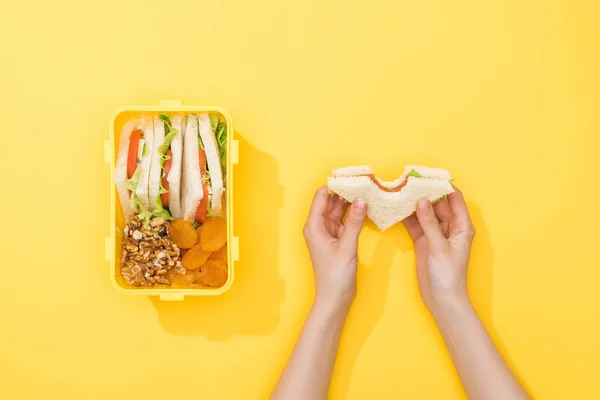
[[504, 94]]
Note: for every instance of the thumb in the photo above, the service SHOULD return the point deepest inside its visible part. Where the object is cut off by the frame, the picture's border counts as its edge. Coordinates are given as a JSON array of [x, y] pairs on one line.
[[354, 223], [430, 224]]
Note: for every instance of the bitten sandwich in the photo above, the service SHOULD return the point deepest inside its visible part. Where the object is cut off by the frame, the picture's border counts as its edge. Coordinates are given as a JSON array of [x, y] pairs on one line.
[[390, 202]]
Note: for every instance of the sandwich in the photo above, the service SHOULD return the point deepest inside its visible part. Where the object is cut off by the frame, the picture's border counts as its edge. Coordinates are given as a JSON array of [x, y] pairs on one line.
[[165, 169], [133, 167], [148, 170], [204, 152], [393, 201], [172, 167]]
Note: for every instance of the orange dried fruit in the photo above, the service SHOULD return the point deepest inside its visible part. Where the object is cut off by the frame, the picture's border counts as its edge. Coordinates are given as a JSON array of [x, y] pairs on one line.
[[182, 233], [198, 233], [213, 234], [213, 274], [178, 279], [220, 255], [195, 258]]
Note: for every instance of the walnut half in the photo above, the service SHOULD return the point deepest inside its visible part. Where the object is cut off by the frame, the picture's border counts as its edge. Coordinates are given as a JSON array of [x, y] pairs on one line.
[[147, 253]]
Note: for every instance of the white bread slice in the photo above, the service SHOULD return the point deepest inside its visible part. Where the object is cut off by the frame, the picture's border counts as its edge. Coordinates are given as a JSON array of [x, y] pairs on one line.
[[141, 190], [358, 170], [155, 168], [214, 163], [191, 185], [121, 167], [387, 208], [174, 177]]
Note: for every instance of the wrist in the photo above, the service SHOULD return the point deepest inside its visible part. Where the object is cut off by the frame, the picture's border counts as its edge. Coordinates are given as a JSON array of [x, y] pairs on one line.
[[332, 307], [450, 307]]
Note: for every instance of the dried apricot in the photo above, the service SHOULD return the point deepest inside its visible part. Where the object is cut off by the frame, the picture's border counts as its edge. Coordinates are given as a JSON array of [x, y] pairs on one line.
[[220, 255], [195, 258], [213, 234], [179, 279], [182, 233], [198, 233], [213, 274]]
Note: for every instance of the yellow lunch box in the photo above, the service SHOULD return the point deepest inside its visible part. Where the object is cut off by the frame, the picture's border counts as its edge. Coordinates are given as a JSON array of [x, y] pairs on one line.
[[113, 242]]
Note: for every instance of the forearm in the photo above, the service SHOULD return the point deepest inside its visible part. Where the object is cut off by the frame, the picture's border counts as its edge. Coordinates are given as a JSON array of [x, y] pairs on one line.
[[481, 368], [308, 372]]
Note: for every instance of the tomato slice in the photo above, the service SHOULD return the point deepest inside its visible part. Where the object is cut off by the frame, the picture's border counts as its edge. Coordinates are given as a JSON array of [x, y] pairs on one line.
[[164, 197], [134, 143], [201, 210], [387, 189]]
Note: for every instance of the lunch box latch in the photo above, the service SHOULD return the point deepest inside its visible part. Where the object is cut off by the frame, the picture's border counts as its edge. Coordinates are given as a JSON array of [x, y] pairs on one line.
[[170, 103], [234, 152], [235, 248], [171, 297], [108, 248], [108, 151]]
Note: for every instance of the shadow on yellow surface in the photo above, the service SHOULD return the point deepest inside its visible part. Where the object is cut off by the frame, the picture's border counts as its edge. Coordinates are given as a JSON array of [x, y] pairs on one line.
[[365, 314], [481, 273], [251, 306], [480, 281], [376, 276]]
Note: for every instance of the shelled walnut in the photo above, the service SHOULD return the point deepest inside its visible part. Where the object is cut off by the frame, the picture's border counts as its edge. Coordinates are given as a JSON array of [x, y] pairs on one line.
[[148, 253]]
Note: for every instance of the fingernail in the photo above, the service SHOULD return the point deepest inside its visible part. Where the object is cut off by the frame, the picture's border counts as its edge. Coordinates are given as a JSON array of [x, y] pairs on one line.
[[360, 205], [423, 204]]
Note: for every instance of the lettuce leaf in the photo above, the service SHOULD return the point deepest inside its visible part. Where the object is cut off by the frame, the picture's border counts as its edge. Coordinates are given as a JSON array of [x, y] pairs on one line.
[[214, 122], [159, 211], [221, 136], [163, 148], [414, 173], [144, 214], [132, 182]]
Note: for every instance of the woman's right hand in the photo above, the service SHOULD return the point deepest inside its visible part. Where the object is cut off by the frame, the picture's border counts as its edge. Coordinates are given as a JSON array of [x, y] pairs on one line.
[[442, 234]]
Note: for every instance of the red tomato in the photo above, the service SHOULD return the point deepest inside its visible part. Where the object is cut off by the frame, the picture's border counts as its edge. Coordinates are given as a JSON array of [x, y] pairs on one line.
[[201, 210], [134, 143], [164, 197]]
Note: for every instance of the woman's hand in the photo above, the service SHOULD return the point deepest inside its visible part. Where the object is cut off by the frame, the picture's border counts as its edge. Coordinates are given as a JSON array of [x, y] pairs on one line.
[[442, 234], [332, 245]]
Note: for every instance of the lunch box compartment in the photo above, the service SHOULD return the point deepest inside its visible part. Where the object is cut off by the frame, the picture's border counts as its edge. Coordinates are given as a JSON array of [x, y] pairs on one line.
[[113, 242]]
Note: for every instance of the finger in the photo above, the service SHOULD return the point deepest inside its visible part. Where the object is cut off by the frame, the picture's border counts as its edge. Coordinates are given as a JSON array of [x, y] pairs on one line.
[[331, 202], [318, 208], [460, 212], [413, 227], [339, 209], [430, 224], [442, 210], [353, 224]]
